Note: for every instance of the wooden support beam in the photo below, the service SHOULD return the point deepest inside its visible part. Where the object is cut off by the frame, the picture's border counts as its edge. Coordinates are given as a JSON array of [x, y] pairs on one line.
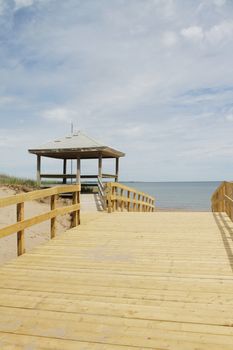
[[78, 212], [100, 166], [38, 171], [78, 172], [74, 222], [53, 220], [20, 234], [121, 202], [139, 206], [128, 204], [134, 204], [117, 170], [64, 170]]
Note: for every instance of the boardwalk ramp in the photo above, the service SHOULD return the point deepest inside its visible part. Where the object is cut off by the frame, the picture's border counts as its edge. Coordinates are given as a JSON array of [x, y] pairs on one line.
[[124, 281]]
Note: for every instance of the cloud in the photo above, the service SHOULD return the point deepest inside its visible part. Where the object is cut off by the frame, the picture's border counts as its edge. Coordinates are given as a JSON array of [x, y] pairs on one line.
[[6, 100], [229, 117], [193, 33], [220, 32], [23, 3], [214, 35], [2, 7], [156, 72], [169, 39], [59, 114], [220, 3]]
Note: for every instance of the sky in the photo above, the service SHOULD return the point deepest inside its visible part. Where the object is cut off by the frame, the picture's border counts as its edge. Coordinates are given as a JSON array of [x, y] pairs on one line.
[[152, 78]]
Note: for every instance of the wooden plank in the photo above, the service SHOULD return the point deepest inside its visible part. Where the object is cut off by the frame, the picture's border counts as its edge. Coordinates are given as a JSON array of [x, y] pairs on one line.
[[10, 341], [109, 176], [126, 280]]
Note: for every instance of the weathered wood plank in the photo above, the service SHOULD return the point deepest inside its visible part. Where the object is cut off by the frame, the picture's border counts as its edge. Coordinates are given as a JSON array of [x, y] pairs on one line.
[[124, 281]]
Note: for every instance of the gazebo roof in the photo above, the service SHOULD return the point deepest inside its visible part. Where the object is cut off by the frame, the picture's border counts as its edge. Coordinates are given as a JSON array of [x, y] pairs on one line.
[[76, 145]]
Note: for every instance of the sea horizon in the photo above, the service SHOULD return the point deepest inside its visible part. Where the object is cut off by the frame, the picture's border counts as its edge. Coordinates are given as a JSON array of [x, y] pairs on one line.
[[179, 195]]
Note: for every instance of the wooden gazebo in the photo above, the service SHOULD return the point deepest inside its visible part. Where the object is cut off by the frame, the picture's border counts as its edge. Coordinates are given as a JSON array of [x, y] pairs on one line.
[[76, 146]]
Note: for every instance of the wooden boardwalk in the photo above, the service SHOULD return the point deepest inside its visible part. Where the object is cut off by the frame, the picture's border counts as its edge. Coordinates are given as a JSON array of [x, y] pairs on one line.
[[124, 281]]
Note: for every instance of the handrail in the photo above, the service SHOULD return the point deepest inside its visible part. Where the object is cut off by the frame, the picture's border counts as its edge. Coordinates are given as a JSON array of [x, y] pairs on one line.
[[22, 223], [67, 176], [101, 192], [132, 200], [222, 199]]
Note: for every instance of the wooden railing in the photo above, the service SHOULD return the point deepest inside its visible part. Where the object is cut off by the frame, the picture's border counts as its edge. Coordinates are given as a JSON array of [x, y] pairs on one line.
[[22, 223], [120, 197], [222, 199], [101, 190]]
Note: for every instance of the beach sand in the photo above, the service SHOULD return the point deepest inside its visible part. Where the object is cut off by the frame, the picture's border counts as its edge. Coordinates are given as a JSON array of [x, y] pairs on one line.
[[39, 233]]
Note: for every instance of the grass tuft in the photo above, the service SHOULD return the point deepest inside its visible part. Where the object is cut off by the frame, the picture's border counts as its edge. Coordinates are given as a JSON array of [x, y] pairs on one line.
[[12, 181]]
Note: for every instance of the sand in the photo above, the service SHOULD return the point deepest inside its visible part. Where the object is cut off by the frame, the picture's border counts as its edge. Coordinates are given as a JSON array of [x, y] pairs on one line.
[[39, 234]]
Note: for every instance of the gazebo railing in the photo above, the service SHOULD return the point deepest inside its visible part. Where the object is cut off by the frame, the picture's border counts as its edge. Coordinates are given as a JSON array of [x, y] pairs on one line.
[[22, 223], [120, 197], [73, 176]]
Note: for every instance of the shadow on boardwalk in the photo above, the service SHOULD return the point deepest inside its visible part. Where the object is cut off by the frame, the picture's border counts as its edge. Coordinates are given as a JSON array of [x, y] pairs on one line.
[[225, 226]]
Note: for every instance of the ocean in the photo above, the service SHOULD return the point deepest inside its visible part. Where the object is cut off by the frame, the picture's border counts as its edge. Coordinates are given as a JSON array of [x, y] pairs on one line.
[[179, 195]]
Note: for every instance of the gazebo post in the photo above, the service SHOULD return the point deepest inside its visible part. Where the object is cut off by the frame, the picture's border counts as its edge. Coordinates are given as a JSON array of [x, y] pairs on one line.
[[78, 173], [117, 170], [64, 170], [100, 167], [38, 172]]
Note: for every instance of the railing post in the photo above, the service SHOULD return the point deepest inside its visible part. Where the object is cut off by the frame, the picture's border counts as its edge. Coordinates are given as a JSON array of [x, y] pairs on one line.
[[230, 203], [38, 171], [139, 205], [53, 220], [116, 202], [109, 198], [143, 206], [128, 203], [224, 200], [75, 213], [121, 200], [20, 234], [78, 212], [134, 204]]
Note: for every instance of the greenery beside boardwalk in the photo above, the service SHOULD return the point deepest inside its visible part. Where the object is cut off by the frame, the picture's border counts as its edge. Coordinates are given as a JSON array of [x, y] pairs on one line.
[[28, 184], [15, 181]]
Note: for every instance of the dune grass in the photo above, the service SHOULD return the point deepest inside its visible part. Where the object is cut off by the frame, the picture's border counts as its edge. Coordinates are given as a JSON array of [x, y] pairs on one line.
[[15, 181], [29, 184]]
